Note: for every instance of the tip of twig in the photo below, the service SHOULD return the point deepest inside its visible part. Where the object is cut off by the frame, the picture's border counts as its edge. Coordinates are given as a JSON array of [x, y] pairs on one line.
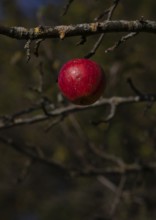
[[96, 123], [133, 87], [89, 55], [128, 80], [82, 41], [66, 7]]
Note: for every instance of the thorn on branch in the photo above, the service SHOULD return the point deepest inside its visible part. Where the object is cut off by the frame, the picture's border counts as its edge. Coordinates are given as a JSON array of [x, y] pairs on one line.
[[28, 51]]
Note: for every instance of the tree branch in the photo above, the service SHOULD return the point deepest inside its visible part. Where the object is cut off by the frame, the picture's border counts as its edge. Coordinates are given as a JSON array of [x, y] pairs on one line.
[[113, 171], [99, 41], [86, 29], [57, 167], [11, 121]]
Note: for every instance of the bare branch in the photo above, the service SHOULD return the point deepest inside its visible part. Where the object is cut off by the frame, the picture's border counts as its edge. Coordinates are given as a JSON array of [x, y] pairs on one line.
[[85, 29], [113, 102], [118, 171], [60, 169], [26, 151], [8, 121]]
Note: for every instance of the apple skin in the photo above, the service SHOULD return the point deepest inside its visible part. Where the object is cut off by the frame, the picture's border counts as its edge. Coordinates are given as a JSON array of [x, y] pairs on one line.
[[81, 81]]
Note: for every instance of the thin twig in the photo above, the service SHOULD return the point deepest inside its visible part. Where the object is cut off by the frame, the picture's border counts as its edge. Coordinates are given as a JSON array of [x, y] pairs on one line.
[[149, 97], [53, 123], [101, 16], [66, 7], [107, 183], [122, 40], [41, 74], [117, 171], [133, 87], [60, 169], [99, 41], [57, 167], [25, 171], [37, 45], [28, 51], [108, 157], [113, 108], [81, 41], [39, 89], [95, 47], [117, 196]]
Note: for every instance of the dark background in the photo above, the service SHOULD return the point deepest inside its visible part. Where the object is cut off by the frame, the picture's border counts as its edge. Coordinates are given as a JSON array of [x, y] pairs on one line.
[[42, 193]]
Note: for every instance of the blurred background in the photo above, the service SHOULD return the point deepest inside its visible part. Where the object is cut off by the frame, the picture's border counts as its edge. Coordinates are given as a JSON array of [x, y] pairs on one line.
[[30, 190]]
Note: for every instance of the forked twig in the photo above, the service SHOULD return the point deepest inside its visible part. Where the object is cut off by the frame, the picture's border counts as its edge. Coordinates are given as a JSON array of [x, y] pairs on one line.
[[99, 41]]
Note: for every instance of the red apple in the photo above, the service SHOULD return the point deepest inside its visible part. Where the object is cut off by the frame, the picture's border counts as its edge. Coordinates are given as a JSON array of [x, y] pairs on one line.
[[81, 81]]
